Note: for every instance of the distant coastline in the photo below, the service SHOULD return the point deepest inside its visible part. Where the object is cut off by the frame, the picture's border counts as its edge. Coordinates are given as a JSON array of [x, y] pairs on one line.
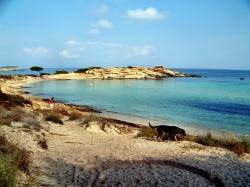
[[9, 68]]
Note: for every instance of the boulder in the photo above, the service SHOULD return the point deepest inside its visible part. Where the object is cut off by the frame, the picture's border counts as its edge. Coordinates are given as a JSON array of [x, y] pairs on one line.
[[169, 72]]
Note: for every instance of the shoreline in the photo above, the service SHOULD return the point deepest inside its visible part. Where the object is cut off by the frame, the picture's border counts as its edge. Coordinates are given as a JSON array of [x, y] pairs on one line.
[[191, 129], [79, 155]]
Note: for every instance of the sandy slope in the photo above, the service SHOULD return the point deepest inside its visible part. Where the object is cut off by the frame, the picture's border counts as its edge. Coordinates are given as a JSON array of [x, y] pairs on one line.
[[79, 156]]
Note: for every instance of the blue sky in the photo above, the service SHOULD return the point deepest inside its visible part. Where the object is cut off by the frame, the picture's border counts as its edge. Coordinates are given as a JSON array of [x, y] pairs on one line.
[[212, 34]]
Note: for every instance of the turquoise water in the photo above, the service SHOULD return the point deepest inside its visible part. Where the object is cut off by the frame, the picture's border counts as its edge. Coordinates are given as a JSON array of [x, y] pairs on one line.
[[219, 102]]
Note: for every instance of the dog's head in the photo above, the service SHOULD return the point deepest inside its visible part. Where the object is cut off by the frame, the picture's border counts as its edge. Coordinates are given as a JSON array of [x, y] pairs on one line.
[[182, 132]]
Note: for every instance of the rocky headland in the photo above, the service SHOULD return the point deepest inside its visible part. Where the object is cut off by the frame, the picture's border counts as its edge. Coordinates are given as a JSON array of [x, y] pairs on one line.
[[131, 72]]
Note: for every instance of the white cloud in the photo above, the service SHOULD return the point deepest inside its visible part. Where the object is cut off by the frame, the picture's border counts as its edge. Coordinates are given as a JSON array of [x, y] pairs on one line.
[[72, 42], [94, 31], [147, 14], [102, 9], [141, 51], [67, 54], [105, 49], [103, 24], [39, 51]]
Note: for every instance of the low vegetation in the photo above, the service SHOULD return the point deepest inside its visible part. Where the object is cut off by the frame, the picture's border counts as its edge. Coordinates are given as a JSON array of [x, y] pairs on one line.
[[83, 70], [238, 146], [4, 117], [90, 118], [12, 159], [8, 77], [75, 115], [54, 118], [61, 72], [8, 101]]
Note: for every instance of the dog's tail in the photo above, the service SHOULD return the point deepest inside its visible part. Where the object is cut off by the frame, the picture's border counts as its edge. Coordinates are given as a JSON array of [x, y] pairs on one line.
[[152, 126]]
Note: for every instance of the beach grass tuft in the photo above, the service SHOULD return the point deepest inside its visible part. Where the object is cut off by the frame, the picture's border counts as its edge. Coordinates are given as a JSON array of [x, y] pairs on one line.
[[17, 113], [75, 115], [147, 132], [236, 145], [4, 118], [54, 118], [90, 118], [12, 159]]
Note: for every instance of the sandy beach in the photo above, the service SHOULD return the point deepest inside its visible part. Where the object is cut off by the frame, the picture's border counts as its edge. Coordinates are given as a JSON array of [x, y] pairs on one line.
[[87, 155]]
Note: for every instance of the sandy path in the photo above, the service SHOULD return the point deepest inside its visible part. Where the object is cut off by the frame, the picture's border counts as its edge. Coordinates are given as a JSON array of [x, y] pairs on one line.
[[78, 157]]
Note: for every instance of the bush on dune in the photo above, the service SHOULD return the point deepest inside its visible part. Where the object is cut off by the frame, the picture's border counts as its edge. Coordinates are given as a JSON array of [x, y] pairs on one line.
[[83, 70], [61, 72]]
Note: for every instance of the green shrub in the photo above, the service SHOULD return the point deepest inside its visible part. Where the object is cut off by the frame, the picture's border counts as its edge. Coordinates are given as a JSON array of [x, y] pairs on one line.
[[54, 119], [45, 74], [75, 115], [83, 70], [61, 72]]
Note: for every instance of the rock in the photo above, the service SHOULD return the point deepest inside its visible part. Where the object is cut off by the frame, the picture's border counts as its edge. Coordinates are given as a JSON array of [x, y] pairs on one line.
[[169, 72]]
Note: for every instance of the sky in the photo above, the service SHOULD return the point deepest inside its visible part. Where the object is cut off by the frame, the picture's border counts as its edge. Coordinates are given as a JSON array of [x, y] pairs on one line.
[[204, 34]]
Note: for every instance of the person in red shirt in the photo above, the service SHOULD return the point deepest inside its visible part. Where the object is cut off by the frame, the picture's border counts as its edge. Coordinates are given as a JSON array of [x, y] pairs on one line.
[[51, 102]]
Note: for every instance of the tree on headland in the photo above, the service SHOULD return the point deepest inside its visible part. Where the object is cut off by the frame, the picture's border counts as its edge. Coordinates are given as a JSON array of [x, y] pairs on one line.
[[37, 68]]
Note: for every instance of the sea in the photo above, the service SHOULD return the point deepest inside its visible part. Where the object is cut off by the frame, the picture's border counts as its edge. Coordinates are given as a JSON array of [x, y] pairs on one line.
[[218, 101]]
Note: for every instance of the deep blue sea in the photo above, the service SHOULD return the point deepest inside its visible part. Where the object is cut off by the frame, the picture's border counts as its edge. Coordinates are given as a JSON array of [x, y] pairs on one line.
[[219, 100]]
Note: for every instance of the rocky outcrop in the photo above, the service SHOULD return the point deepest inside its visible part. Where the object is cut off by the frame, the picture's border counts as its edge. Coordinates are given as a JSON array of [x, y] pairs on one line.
[[135, 72]]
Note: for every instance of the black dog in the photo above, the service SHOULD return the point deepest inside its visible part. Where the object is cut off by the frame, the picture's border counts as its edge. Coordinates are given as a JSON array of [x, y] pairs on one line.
[[171, 130]]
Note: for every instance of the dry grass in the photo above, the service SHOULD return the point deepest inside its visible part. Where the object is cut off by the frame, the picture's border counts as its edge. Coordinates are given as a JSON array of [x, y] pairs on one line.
[[75, 115], [11, 159], [8, 101], [238, 146], [17, 114], [90, 118], [43, 144], [147, 132], [4, 117]]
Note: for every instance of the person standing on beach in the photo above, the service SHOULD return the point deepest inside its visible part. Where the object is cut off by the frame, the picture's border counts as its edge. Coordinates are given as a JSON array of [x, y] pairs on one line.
[[51, 102]]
